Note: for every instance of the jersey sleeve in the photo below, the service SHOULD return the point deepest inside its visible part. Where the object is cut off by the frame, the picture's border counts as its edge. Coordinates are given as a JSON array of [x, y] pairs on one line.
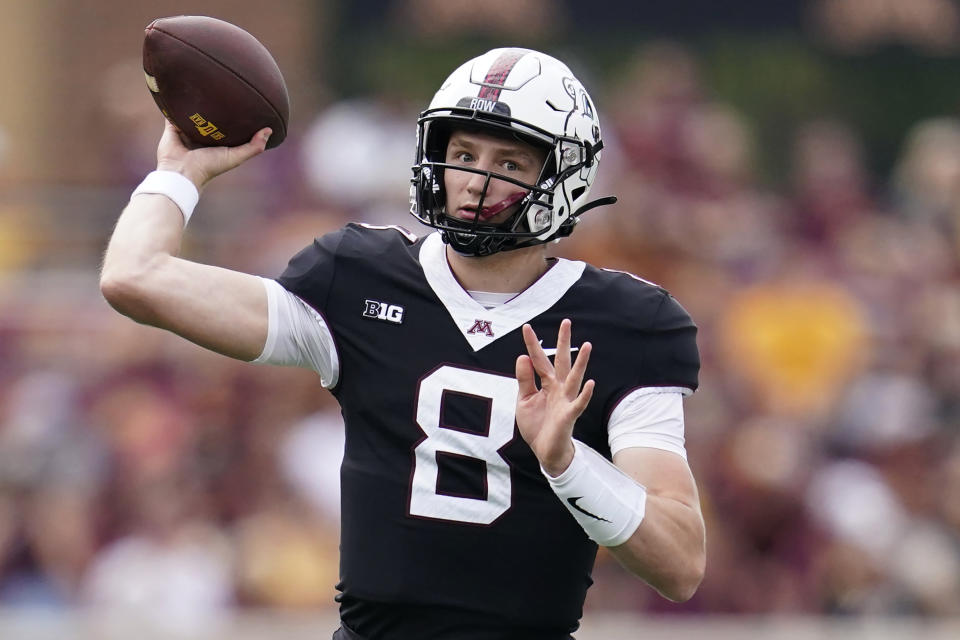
[[309, 274], [648, 417], [297, 332], [658, 364], [670, 354], [298, 335]]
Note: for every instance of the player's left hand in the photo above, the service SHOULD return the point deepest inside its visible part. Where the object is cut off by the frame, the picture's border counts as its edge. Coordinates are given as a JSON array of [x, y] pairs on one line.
[[546, 416]]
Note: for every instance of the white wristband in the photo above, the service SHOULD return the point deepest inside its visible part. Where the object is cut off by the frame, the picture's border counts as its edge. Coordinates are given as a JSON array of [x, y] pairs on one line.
[[175, 186], [605, 501]]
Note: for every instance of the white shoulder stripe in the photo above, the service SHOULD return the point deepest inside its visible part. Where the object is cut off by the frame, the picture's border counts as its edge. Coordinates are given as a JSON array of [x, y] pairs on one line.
[[407, 234], [634, 276]]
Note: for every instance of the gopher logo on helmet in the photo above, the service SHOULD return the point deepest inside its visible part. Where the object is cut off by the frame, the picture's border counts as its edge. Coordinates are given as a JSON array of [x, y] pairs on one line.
[[587, 107]]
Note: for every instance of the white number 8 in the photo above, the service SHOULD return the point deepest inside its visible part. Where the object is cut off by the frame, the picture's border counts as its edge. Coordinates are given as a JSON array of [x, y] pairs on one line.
[[501, 391]]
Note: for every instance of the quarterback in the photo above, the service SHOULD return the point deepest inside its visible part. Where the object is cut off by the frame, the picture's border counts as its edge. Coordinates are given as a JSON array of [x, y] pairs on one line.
[[506, 411]]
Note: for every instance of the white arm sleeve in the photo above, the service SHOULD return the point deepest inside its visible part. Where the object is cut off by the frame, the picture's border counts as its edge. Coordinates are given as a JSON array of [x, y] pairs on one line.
[[649, 417], [297, 335]]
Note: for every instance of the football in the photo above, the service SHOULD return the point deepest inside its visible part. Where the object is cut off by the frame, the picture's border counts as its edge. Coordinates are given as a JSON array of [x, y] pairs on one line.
[[217, 83]]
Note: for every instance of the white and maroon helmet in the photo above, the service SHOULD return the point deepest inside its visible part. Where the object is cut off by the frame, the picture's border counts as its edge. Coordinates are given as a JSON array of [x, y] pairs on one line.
[[523, 94]]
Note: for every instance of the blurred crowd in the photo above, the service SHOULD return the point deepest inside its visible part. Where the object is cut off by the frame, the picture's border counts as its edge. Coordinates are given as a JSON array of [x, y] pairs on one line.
[[139, 471]]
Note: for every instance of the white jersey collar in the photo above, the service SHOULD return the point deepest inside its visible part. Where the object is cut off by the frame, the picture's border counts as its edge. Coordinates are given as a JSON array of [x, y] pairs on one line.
[[481, 326]]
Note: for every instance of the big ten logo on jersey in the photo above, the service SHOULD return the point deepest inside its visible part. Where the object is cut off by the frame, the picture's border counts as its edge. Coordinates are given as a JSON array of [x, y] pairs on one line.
[[383, 311]]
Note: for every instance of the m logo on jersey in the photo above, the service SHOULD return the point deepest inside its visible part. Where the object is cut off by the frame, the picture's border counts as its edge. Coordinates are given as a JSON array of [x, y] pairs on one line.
[[481, 326], [383, 311]]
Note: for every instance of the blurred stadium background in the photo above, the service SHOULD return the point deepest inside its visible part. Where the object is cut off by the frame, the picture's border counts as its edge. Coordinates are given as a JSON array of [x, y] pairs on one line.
[[789, 170]]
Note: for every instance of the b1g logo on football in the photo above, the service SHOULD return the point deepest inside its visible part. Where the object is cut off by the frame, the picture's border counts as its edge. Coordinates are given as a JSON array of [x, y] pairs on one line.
[[207, 128], [383, 311]]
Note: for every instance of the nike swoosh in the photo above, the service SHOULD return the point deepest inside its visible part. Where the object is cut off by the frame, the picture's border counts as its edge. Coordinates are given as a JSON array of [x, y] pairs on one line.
[[552, 351], [573, 503]]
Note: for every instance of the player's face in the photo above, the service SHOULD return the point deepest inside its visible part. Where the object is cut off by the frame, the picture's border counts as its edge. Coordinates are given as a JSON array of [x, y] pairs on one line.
[[485, 152]]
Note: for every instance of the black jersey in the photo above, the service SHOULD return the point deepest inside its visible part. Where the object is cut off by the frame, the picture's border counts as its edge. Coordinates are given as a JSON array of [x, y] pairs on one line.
[[449, 529]]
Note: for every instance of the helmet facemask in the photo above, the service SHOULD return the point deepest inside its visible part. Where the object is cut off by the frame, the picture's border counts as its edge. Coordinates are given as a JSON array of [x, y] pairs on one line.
[[532, 201]]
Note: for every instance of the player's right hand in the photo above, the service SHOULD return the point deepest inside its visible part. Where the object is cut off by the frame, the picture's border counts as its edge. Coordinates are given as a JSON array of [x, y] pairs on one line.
[[204, 164]]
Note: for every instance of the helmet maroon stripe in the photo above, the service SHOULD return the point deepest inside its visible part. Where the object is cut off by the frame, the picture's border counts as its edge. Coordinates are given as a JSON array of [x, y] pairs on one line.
[[498, 73]]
